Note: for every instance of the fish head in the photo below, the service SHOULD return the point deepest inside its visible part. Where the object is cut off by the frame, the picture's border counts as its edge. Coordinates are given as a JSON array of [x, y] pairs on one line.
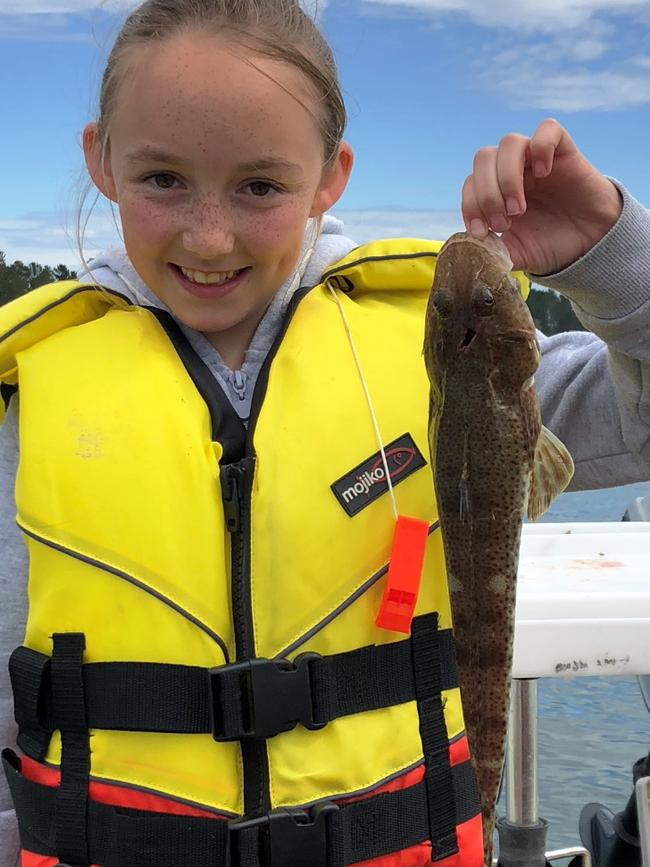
[[476, 313]]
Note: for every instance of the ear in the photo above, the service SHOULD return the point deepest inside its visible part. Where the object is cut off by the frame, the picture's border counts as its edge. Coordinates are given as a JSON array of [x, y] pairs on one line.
[[98, 163], [334, 181]]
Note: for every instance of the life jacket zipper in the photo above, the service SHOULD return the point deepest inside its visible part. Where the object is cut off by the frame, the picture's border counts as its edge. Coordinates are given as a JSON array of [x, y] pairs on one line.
[[236, 481], [231, 495]]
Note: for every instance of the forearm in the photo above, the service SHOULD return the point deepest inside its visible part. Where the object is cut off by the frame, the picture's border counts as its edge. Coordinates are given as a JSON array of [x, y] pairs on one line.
[[595, 393], [579, 404]]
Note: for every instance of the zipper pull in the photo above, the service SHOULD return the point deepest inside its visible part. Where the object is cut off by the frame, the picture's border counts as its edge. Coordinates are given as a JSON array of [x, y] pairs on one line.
[[231, 496]]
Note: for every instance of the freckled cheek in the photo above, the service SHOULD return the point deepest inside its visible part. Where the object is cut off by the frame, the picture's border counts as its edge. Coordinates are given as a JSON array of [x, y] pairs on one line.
[[146, 220], [278, 235]]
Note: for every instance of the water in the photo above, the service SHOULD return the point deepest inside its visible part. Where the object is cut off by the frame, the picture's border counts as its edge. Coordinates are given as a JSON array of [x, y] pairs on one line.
[[591, 729]]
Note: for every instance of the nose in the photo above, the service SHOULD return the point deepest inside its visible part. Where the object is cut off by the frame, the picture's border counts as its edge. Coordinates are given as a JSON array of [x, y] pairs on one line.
[[209, 231]]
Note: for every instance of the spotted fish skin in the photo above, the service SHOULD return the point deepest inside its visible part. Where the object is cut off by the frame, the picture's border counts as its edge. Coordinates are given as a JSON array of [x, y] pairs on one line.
[[481, 354]]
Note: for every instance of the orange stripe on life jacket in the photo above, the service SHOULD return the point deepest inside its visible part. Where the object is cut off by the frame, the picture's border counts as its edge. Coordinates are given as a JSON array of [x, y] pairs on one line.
[[459, 751], [116, 796]]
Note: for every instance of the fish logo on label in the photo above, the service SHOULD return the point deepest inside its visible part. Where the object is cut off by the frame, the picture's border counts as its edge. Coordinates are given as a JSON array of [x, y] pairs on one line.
[[367, 481], [398, 461]]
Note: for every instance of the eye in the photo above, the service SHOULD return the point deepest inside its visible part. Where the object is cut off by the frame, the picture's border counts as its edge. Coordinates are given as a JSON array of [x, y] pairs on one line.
[[261, 189], [162, 180], [443, 302], [482, 300]]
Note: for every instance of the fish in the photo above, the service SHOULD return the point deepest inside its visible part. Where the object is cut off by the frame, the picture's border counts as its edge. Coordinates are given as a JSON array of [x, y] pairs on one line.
[[492, 462]]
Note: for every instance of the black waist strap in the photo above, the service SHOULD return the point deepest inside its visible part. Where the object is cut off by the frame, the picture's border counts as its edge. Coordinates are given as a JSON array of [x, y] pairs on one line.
[[326, 836], [256, 698]]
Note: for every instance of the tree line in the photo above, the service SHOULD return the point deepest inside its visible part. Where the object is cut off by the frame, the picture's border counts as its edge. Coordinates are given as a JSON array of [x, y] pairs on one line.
[[18, 278], [552, 313]]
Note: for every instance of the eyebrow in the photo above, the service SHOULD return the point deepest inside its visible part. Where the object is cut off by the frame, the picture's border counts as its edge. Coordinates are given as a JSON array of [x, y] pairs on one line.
[[270, 163], [149, 154]]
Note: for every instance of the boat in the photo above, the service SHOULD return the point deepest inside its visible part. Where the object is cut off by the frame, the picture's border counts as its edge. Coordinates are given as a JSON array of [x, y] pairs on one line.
[[583, 609]]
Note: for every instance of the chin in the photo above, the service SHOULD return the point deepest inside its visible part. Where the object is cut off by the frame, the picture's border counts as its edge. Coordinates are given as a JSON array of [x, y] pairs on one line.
[[204, 324]]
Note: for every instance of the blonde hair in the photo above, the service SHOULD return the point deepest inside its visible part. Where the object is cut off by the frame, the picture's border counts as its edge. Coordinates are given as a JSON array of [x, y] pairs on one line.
[[279, 29]]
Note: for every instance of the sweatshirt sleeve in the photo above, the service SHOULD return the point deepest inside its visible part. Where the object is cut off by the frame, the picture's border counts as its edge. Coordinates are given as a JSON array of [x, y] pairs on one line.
[[594, 387], [13, 600]]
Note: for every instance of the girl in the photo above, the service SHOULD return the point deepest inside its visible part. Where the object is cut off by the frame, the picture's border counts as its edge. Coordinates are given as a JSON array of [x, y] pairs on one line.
[[201, 491]]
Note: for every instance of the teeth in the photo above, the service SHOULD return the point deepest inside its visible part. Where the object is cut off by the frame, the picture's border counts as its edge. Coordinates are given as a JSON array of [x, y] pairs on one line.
[[214, 277]]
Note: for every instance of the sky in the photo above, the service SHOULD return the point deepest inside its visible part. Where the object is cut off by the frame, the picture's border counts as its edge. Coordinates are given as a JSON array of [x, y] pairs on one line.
[[426, 82]]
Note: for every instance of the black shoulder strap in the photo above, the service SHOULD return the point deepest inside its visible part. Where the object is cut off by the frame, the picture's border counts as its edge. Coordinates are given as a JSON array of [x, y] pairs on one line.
[[7, 392], [71, 805]]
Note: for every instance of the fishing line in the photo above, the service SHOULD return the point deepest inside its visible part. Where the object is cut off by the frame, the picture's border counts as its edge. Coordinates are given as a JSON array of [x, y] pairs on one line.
[[368, 398]]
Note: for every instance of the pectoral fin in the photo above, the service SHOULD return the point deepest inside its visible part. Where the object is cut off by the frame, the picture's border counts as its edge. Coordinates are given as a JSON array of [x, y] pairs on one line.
[[551, 473]]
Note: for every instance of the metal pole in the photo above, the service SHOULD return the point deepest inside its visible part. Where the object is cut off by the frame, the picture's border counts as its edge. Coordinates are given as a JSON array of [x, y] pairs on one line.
[[522, 834], [522, 798], [643, 807]]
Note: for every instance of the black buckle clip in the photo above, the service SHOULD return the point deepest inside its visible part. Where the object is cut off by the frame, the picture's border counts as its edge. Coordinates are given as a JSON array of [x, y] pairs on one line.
[[287, 837], [276, 696]]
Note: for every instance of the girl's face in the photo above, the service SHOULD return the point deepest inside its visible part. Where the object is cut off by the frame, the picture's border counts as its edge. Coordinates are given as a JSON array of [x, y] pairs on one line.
[[216, 167]]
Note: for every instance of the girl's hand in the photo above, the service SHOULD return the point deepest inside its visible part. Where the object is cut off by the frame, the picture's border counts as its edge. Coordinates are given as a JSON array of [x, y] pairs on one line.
[[549, 203]]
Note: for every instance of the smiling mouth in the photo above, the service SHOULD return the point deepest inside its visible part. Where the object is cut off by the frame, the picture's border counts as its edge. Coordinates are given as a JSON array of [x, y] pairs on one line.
[[211, 278]]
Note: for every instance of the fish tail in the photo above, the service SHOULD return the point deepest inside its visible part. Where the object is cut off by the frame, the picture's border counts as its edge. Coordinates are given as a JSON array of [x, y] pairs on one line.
[[488, 821]]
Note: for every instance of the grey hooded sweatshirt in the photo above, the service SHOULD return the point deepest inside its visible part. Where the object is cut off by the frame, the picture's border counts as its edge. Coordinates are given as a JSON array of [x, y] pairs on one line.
[[594, 390]]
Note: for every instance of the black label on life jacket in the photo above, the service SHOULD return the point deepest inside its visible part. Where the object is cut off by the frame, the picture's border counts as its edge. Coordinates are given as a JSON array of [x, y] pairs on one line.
[[367, 481]]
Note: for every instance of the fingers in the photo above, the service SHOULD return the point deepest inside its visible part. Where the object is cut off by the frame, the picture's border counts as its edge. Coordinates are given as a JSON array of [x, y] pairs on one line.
[[494, 193], [548, 140], [482, 204], [475, 222]]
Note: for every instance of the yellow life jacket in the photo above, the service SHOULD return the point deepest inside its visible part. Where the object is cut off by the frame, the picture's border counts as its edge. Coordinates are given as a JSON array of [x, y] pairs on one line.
[[201, 641]]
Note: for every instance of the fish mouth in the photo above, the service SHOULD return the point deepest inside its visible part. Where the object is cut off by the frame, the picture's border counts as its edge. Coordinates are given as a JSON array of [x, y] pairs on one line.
[[468, 340]]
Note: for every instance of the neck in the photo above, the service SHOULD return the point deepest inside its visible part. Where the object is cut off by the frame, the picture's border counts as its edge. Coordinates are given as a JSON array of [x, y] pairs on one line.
[[233, 343]]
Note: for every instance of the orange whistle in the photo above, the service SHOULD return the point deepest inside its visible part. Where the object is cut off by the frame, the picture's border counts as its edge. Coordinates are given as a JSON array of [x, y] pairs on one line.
[[404, 574]]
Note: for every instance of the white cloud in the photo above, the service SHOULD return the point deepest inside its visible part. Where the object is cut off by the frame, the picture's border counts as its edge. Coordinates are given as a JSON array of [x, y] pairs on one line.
[[525, 15], [589, 49], [547, 76], [578, 91]]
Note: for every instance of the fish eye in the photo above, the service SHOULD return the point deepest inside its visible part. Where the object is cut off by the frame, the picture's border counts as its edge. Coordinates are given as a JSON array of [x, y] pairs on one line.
[[483, 300], [442, 301]]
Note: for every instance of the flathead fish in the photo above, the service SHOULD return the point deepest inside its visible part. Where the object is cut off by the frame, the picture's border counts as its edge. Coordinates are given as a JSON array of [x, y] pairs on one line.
[[493, 462]]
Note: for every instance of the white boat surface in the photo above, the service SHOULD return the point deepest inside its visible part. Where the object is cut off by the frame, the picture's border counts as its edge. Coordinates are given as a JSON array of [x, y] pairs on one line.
[[583, 600], [583, 609]]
